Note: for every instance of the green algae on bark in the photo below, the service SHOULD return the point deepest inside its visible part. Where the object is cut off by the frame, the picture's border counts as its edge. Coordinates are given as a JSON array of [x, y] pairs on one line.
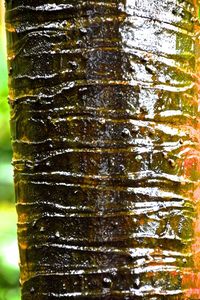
[[104, 120]]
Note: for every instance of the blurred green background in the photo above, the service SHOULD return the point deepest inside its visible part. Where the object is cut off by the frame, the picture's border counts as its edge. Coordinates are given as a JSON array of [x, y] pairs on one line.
[[9, 274]]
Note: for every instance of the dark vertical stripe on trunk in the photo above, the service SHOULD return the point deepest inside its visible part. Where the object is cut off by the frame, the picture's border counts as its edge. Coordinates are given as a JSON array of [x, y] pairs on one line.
[[104, 119]]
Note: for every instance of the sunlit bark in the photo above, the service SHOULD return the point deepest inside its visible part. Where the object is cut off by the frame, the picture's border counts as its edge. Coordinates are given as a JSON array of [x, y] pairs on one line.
[[105, 128]]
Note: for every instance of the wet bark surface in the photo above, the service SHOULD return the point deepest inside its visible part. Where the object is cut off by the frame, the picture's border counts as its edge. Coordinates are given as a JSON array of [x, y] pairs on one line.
[[105, 129]]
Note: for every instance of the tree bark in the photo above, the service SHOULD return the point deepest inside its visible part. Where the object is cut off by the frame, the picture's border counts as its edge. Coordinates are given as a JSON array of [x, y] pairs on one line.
[[104, 121]]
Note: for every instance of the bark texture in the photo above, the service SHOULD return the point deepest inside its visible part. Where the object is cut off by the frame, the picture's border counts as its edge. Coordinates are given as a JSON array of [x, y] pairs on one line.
[[104, 120]]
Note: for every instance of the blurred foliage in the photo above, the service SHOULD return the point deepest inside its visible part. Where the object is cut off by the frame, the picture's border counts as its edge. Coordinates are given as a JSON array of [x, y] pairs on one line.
[[4, 109], [9, 277], [9, 274], [6, 190]]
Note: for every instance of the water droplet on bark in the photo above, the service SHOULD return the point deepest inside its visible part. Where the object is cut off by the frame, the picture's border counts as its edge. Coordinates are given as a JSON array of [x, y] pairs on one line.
[[138, 158], [107, 282], [126, 132], [57, 234]]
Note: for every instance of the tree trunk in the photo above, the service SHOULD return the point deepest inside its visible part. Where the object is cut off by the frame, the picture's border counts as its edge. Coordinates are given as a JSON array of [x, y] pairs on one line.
[[104, 120]]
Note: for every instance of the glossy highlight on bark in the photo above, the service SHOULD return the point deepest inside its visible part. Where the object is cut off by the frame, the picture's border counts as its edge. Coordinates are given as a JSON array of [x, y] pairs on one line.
[[105, 129]]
